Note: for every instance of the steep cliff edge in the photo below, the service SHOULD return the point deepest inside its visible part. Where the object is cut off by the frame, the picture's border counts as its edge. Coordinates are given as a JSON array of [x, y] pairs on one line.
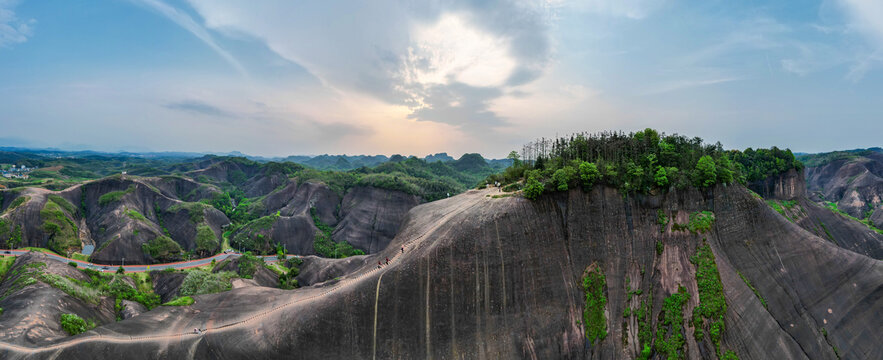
[[855, 183], [786, 194], [504, 278]]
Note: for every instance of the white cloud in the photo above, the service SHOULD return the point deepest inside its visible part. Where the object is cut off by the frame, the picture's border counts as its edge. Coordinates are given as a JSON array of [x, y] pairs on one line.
[[453, 49], [411, 54], [12, 29]]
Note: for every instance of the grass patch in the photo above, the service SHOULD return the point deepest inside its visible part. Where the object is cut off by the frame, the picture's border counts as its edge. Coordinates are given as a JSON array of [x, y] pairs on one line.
[[17, 202], [670, 332], [326, 247], [745, 279], [5, 264], [206, 240], [79, 256], [206, 282], [712, 304], [645, 334], [66, 205], [135, 215], [63, 233], [162, 248], [781, 207], [195, 210], [833, 207], [143, 282], [248, 264], [661, 219], [115, 196], [249, 237], [594, 320], [826, 231], [701, 222], [73, 324], [180, 301]]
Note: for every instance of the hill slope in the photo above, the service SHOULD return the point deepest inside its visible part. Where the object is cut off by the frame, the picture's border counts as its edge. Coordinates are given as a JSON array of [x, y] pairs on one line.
[[506, 278]]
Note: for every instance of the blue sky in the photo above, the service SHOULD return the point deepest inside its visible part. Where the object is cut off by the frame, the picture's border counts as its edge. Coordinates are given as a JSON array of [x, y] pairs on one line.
[[396, 76]]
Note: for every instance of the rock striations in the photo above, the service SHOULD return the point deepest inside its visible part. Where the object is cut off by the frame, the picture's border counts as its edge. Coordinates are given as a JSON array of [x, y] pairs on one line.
[[492, 278]]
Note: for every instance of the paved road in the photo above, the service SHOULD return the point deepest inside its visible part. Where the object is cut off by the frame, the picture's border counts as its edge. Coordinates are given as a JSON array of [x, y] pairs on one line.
[[142, 268]]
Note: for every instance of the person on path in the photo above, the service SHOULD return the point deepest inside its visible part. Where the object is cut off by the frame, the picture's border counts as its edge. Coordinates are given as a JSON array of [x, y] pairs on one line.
[[387, 261], [379, 265], [403, 249]]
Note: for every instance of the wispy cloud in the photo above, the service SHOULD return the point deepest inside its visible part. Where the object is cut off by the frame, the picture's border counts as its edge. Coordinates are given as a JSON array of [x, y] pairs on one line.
[[12, 29], [199, 107], [686, 84], [632, 9], [866, 17], [186, 21]]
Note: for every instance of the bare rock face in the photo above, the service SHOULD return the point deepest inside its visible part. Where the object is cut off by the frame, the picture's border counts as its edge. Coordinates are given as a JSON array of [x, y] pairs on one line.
[[786, 186], [131, 309], [166, 284], [877, 218], [836, 228], [369, 217], [185, 189], [821, 221], [297, 233], [372, 216], [297, 199], [315, 269], [856, 184], [503, 278], [32, 312]]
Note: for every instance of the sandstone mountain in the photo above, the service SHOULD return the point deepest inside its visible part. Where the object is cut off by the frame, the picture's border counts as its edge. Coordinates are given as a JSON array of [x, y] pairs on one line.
[[486, 277]]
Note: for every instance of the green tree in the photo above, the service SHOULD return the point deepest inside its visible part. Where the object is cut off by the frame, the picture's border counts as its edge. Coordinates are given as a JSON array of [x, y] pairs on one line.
[[562, 177], [533, 188], [661, 177], [516, 159], [706, 172], [724, 170], [588, 174], [248, 264]]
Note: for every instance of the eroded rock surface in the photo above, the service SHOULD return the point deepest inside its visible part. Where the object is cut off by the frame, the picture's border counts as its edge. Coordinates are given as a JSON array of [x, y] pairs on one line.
[[502, 278]]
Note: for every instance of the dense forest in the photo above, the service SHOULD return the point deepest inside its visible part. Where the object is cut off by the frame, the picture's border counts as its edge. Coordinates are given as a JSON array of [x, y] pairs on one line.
[[640, 162]]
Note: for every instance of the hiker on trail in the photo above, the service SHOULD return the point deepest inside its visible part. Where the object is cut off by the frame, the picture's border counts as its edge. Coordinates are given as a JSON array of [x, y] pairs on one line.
[[387, 261], [403, 249], [379, 265]]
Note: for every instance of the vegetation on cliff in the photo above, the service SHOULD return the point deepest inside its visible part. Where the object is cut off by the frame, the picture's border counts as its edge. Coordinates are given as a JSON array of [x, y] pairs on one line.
[[670, 331], [708, 316], [326, 247], [73, 324], [595, 288], [638, 162], [63, 233]]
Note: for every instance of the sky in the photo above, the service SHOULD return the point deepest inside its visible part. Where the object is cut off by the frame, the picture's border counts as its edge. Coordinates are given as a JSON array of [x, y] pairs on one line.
[[278, 78]]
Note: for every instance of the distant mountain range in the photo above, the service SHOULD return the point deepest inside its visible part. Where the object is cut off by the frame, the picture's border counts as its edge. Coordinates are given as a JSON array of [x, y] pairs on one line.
[[320, 162]]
